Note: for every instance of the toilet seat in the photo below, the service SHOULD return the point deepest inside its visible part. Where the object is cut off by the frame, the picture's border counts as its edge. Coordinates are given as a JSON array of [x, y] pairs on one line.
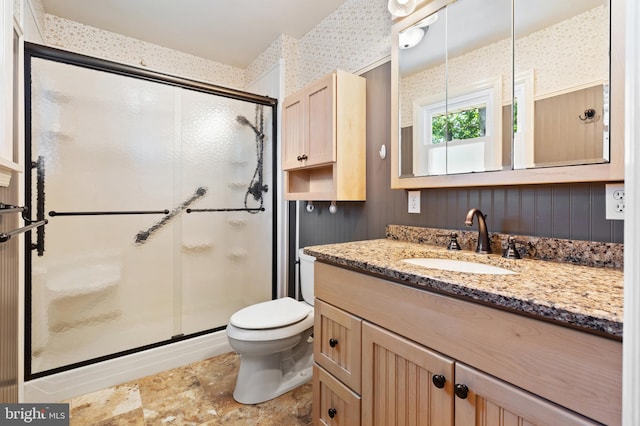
[[272, 314], [284, 311]]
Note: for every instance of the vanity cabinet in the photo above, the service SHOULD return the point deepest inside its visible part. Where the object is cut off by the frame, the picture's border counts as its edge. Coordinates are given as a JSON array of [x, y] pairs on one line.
[[427, 358], [324, 139], [336, 372], [404, 383]]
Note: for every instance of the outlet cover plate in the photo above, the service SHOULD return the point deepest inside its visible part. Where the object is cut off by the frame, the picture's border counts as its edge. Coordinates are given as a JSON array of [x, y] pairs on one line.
[[414, 201], [615, 201]]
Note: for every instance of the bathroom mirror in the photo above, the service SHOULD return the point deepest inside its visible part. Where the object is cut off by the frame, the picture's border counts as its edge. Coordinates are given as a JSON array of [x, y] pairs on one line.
[[459, 71], [451, 117]]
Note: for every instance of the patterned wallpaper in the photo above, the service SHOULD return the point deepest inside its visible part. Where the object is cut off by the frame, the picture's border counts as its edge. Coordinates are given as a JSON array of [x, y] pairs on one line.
[[356, 35], [98, 43], [585, 59]]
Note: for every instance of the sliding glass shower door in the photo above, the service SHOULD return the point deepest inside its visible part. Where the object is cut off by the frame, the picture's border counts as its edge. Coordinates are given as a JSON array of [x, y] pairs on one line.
[[159, 201]]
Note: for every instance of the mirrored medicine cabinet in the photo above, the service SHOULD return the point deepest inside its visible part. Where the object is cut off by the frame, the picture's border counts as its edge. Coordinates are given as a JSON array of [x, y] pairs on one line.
[[506, 92]]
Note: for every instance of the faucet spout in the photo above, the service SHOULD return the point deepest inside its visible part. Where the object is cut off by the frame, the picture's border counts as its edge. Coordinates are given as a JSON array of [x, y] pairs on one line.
[[484, 246]]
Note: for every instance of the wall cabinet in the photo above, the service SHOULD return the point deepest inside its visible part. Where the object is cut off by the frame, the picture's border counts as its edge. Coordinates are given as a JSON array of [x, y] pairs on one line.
[[429, 359], [324, 140]]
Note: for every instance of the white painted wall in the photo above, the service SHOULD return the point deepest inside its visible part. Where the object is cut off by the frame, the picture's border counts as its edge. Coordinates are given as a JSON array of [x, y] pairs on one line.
[[631, 337]]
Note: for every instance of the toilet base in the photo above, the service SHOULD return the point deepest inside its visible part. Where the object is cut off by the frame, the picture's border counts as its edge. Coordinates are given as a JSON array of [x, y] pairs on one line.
[[261, 378]]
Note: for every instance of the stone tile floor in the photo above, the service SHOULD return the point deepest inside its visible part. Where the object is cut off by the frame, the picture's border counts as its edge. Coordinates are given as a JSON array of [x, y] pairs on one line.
[[196, 394]]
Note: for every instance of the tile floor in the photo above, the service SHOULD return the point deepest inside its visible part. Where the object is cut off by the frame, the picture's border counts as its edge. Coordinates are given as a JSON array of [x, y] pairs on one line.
[[196, 394]]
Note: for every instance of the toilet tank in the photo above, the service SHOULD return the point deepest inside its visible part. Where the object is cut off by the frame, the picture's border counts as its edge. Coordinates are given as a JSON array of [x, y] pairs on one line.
[[306, 276]]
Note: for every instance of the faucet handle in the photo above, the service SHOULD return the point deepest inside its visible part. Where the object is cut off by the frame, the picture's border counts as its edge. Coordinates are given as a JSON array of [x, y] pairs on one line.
[[453, 241], [511, 252]]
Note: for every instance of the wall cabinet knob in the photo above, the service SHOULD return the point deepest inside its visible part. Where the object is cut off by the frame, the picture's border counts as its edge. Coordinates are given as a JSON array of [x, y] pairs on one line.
[[299, 157], [461, 391], [333, 342], [439, 380], [332, 412]]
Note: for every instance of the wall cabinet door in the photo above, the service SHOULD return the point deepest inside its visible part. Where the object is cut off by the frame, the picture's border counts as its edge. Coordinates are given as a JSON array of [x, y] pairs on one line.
[[309, 125], [404, 383], [483, 400]]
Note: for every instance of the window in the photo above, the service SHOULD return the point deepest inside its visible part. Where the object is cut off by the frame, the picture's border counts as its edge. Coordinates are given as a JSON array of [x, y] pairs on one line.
[[460, 134]]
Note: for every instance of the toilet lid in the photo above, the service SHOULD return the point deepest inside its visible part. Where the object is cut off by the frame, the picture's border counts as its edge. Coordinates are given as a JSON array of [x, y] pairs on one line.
[[271, 314]]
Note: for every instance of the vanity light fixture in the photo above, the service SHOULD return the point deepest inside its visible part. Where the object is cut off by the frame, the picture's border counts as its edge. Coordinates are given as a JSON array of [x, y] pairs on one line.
[[411, 37], [401, 8], [429, 20]]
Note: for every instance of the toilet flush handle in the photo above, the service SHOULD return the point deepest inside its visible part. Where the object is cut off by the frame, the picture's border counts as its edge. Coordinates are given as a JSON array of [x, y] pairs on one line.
[[333, 342]]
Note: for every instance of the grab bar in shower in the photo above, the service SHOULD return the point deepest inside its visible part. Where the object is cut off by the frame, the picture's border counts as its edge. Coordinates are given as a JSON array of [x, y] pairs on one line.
[[257, 209], [107, 213]]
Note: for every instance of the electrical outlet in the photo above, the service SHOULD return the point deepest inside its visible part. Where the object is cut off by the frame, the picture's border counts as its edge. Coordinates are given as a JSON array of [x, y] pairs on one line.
[[615, 201], [414, 201]]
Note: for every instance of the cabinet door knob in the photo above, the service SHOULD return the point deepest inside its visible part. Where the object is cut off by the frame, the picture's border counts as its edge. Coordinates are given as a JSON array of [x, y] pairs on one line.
[[461, 391], [439, 380], [299, 157], [332, 412], [304, 157], [333, 342]]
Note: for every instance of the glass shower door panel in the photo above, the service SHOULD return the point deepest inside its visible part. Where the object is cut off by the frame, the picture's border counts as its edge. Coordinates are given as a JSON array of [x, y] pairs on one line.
[[104, 283], [226, 255]]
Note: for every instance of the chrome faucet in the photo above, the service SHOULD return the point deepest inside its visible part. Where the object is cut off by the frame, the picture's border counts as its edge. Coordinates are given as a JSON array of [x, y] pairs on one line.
[[484, 246]]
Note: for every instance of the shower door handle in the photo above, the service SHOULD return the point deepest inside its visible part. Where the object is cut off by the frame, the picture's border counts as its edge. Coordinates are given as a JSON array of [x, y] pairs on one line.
[[40, 215]]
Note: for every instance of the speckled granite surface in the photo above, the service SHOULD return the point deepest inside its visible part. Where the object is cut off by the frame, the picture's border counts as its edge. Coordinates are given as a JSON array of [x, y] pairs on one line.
[[587, 253], [585, 297]]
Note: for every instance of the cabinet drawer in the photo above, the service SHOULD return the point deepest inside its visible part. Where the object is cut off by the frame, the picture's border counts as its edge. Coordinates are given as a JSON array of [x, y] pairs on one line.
[[333, 403], [337, 343]]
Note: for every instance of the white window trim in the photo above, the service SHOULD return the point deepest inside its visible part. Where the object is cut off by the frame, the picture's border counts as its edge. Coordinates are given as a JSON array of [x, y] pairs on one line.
[[523, 141], [7, 29], [487, 92]]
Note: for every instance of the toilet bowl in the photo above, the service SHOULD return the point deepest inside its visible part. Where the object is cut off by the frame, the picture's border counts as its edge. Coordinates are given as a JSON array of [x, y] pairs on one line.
[[274, 341]]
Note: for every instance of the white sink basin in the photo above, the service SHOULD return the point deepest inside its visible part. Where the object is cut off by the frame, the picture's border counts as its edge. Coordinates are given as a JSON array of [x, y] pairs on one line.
[[458, 266]]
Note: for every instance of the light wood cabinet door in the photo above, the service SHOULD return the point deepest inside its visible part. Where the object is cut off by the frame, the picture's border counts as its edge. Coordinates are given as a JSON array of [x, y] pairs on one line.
[[401, 381], [309, 125], [321, 98], [337, 343], [490, 402], [294, 131], [333, 403]]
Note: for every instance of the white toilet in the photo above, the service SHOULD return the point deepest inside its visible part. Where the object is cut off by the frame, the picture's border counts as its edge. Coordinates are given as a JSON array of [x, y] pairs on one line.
[[274, 341]]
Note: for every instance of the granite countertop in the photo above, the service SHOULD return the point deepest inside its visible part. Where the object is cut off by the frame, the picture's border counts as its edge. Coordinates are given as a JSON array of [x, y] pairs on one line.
[[589, 298]]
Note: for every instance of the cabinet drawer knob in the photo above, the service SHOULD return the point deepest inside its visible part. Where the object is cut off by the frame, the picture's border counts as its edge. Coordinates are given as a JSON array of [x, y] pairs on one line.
[[439, 380], [461, 391], [332, 412], [333, 342]]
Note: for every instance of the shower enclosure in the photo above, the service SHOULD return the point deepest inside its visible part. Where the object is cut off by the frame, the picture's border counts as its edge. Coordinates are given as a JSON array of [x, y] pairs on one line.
[[159, 194]]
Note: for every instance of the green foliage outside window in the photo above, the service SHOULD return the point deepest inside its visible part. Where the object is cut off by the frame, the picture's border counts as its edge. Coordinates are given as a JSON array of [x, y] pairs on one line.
[[466, 124]]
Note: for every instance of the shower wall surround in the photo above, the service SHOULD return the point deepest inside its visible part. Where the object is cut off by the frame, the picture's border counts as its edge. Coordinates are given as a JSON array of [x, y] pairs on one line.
[[156, 196]]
